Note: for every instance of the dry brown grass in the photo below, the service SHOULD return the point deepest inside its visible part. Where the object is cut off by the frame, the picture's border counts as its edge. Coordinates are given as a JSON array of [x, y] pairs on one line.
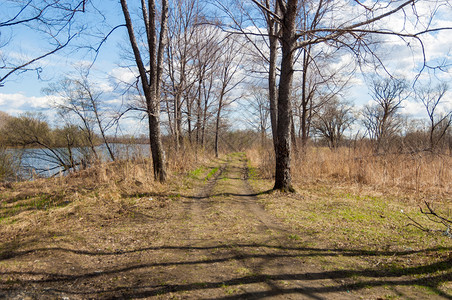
[[352, 200], [114, 219], [418, 173], [188, 158], [103, 193], [264, 159]]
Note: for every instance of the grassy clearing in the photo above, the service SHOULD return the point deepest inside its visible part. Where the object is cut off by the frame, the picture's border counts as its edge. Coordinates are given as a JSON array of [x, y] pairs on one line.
[[355, 206], [364, 230]]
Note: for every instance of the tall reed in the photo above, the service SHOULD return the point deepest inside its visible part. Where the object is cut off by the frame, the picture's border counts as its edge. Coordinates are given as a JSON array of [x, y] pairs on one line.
[[420, 172]]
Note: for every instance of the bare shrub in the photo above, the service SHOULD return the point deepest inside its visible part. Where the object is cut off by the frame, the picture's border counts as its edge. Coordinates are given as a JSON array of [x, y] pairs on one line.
[[9, 165]]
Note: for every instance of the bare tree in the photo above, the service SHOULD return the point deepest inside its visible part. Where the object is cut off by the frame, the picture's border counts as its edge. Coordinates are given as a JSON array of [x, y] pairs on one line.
[[258, 111], [207, 58], [272, 12], [332, 120], [151, 78], [432, 97], [180, 55], [201, 53], [347, 29], [75, 103], [77, 97], [230, 63], [53, 19], [318, 84], [381, 119], [263, 44]]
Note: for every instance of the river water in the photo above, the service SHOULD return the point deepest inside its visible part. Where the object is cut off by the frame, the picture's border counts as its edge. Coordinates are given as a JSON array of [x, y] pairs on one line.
[[45, 162]]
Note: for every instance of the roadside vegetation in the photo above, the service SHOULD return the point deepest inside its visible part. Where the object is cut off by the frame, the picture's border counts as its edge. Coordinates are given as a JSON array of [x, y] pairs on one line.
[[356, 233], [369, 211]]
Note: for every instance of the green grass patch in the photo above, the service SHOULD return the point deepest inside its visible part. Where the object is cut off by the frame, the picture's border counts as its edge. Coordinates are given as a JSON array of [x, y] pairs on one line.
[[174, 196], [211, 173], [197, 172], [295, 237], [35, 202], [252, 173], [364, 232]]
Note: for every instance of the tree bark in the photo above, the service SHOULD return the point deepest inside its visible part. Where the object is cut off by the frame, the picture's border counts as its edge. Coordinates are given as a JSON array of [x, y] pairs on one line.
[[151, 84], [217, 124], [189, 118], [198, 115], [304, 101], [177, 119], [272, 91], [293, 136], [283, 180], [158, 156]]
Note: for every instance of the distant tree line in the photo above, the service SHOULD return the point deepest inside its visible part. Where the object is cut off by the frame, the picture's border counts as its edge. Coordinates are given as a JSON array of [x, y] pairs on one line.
[[68, 147], [32, 130]]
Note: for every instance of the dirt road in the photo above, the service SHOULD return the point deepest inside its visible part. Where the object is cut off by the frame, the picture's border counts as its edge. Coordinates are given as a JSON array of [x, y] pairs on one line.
[[236, 249], [215, 242]]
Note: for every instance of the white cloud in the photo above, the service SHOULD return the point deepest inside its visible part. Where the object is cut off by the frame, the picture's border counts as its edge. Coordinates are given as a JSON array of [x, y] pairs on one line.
[[446, 106], [104, 87], [123, 75], [18, 103], [113, 102], [413, 108], [133, 126]]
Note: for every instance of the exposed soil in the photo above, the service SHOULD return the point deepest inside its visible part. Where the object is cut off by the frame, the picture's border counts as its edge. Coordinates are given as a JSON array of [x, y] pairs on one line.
[[215, 242]]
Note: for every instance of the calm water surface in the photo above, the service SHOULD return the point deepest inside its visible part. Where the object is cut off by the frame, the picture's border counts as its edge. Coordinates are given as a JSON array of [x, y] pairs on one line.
[[44, 162]]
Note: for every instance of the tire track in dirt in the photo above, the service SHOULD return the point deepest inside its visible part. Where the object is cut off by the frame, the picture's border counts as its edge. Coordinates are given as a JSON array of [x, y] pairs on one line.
[[246, 250], [285, 268], [213, 247], [204, 247]]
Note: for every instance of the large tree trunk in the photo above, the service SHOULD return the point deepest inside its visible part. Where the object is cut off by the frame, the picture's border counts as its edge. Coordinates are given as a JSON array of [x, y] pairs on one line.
[[217, 131], [158, 156], [272, 91], [293, 136], [189, 118], [198, 114], [206, 94], [177, 119], [283, 180], [151, 83], [304, 101], [178, 105], [204, 122]]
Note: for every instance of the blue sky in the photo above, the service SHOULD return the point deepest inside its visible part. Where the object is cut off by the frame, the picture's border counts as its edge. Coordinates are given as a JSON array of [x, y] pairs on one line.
[[22, 93]]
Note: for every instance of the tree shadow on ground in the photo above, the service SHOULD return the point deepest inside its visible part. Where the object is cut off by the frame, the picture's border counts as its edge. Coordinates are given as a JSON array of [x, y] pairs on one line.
[[431, 275]]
